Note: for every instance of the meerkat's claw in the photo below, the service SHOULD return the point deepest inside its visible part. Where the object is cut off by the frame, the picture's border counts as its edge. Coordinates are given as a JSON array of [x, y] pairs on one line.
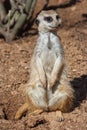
[[51, 84], [59, 116]]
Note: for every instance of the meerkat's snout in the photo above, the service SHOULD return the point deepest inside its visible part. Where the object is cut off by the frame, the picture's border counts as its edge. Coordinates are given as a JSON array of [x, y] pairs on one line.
[[48, 20]]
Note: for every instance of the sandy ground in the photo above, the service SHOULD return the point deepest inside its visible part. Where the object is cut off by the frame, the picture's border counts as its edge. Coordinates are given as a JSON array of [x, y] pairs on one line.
[[14, 74]]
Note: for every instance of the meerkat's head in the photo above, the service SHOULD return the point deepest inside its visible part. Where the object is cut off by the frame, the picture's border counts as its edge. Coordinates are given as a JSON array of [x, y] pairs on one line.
[[48, 21]]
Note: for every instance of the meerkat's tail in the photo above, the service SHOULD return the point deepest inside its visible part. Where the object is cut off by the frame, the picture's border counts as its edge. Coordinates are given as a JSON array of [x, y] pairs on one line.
[[21, 110]]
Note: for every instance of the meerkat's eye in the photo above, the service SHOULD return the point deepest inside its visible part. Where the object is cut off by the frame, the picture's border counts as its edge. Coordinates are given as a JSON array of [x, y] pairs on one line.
[[37, 22], [48, 19], [57, 17]]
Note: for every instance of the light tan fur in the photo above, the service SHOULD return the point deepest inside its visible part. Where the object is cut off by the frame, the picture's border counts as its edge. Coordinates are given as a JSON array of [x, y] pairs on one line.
[[48, 88]]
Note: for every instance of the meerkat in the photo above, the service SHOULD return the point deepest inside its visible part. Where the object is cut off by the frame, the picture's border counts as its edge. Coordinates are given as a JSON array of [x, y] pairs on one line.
[[48, 88]]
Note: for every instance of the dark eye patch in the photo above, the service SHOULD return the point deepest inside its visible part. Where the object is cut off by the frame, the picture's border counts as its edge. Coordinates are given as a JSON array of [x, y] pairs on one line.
[[37, 22], [48, 19], [57, 17]]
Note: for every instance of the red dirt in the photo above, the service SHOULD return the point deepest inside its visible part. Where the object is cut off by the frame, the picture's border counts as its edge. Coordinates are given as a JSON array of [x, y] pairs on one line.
[[14, 74]]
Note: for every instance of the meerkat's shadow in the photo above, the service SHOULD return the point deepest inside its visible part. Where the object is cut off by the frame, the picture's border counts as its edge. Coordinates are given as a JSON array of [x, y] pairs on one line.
[[80, 87]]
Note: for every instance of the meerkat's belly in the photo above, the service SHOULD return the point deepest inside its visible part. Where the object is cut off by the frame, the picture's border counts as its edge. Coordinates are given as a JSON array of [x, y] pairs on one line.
[[48, 60]]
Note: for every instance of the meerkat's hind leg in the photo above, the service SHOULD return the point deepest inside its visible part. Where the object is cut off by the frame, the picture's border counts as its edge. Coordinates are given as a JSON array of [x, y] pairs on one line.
[[59, 116], [21, 110]]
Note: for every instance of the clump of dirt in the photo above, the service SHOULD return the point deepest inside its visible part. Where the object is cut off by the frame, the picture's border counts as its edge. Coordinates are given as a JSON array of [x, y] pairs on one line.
[[14, 74]]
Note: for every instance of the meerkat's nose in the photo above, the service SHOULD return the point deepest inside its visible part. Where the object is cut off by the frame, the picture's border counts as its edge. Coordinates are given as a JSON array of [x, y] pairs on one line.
[[57, 17]]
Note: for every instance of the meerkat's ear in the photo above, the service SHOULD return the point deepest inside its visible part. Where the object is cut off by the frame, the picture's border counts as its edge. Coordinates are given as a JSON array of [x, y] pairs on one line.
[[37, 22]]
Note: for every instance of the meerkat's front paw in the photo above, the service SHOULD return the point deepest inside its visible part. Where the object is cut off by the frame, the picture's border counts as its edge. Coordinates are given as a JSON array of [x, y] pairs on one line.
[[51, 83], [52, 80], [43, 81]]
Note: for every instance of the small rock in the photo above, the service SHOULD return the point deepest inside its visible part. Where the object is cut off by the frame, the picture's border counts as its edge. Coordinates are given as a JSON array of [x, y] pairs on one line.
[[73, 8]]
